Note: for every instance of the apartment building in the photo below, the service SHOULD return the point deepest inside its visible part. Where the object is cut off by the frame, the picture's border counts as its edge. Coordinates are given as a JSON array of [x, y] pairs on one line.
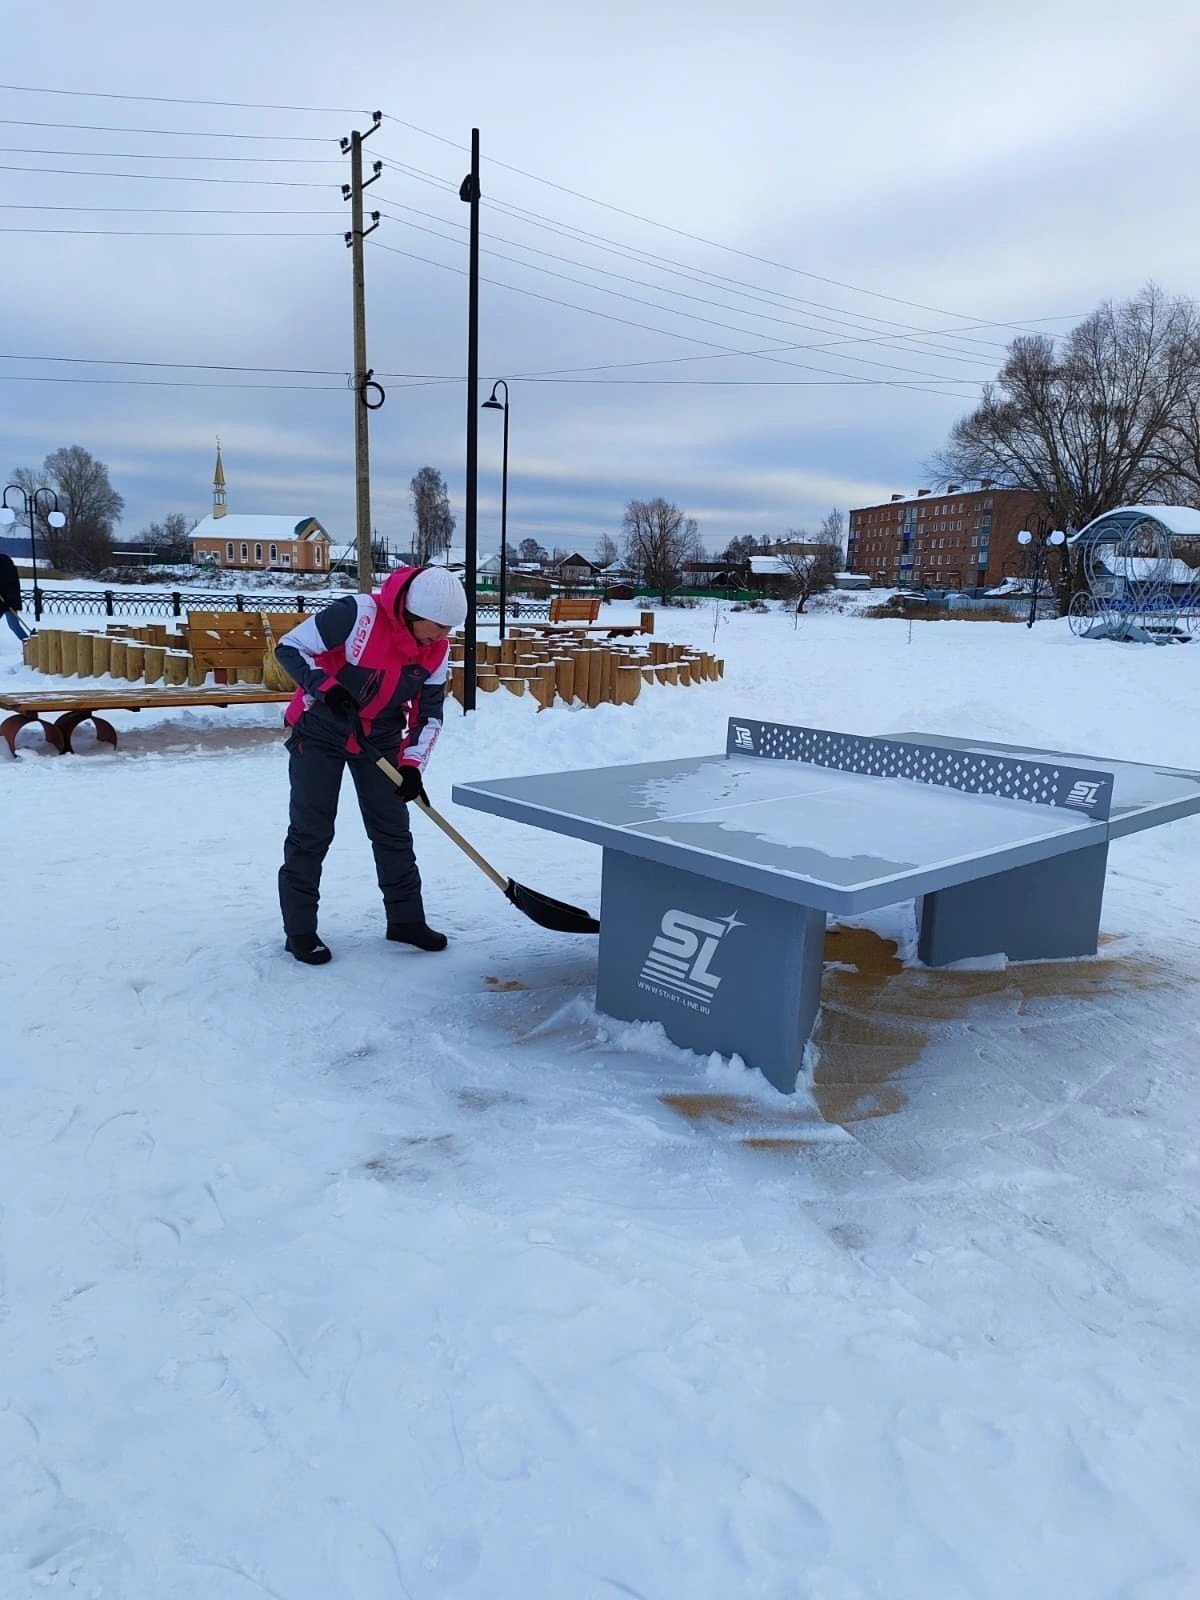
[[957, 539]]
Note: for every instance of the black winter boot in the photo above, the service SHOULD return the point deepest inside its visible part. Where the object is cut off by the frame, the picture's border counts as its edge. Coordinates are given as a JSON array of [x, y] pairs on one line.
[[417, 933], [310, 949]]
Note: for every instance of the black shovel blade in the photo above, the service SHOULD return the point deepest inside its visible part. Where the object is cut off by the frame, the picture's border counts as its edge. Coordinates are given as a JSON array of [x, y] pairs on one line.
[[547, 913]]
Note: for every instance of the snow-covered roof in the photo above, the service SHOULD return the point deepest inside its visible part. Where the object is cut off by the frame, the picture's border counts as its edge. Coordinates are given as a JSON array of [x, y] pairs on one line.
[[249, 525], [454, 556], [1145, 568], [764, 565], [1181, 520]]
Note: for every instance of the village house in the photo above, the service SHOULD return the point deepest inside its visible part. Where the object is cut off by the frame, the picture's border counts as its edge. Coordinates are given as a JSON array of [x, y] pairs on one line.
[[576, 569]]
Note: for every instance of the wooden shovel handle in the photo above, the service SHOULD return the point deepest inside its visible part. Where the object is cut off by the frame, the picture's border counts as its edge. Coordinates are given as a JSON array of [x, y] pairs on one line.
[[447, 828]]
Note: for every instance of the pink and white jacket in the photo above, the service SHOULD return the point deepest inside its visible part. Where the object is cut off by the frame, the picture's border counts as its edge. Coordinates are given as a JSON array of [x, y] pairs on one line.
[[362, 642]]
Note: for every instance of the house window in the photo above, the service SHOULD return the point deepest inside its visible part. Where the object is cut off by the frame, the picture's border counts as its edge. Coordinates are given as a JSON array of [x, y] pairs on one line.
[[258, 555], [245, 553], [316, 555], [229, 552], [274, 554]]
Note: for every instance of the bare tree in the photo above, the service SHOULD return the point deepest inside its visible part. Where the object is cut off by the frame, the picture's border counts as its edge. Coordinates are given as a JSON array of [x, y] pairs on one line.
[[833, 534], [170, 536], [1088, 427], [1182, 444], [431, 513], [88, 501], [606, 550], [808, 571], [659, 540], [52, 539], [531, 551]]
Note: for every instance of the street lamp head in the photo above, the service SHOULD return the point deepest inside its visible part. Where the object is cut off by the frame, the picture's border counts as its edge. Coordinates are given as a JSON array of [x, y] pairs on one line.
[[1024, 537], [7, 515], [1058, 537], [492, 404], [56, 519]]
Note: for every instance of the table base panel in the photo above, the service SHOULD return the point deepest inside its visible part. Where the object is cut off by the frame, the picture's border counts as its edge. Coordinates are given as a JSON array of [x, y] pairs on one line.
[[722, 969], [1043, 912]]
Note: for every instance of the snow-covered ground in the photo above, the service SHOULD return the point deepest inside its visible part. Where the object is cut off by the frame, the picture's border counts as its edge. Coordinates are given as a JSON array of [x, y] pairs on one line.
[[413, 1276]]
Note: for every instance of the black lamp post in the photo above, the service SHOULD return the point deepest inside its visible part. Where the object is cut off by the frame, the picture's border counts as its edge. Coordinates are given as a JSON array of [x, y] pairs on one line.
[[30, 509], [492, 404], [1038, 541]]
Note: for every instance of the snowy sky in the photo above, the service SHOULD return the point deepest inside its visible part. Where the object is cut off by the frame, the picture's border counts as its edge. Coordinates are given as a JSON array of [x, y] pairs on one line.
[[861, 171]]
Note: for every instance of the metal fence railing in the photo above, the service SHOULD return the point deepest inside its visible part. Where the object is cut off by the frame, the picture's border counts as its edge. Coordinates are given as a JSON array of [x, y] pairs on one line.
[[124, 602]]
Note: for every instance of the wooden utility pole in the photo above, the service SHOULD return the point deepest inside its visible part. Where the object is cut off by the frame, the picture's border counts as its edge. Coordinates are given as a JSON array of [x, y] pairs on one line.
[[368, 396]]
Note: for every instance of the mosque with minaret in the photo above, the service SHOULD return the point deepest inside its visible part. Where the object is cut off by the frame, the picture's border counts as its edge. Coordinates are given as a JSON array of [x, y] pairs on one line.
[[245, 540]]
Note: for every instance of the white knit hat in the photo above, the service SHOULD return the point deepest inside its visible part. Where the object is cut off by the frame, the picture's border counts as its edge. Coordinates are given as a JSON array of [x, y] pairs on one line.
[[438, 596]]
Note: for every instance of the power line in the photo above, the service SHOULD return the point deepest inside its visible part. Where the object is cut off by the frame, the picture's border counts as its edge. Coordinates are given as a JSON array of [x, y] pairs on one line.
[[180, 211], [411, 379], [138, 155], [787, 322], [173, 133], [169, 177], [185, 233], [859, 321], [191, 366], [176, 100], [646, 327], [417, 381], [205, 366], [691, 316], [714, 244], [171, 383]]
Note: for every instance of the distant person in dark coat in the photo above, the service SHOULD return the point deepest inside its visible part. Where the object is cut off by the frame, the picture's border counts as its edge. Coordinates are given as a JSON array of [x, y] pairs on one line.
[[10, 597]]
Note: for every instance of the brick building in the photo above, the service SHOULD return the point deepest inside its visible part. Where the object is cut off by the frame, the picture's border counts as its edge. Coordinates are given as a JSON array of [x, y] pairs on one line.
[[959, 539]]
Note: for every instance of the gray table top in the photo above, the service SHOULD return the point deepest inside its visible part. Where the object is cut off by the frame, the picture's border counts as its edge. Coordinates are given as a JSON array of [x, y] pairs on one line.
[[816, 836]]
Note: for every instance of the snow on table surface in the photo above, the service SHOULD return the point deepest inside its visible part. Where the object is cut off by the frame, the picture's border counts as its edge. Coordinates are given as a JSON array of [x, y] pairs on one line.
[[834, 829], [396, 1278]]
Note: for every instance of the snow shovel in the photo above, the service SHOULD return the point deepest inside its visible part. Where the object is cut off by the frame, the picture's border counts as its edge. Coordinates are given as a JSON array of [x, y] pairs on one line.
[[540, 908]]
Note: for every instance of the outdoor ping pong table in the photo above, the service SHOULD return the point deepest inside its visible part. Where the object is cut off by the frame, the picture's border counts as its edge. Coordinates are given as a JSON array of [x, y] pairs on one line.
[[719, 870]]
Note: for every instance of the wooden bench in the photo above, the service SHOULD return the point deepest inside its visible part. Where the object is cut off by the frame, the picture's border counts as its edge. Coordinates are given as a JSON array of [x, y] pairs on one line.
[[613, 630], [83, 705], [221, 642], [563, 610]]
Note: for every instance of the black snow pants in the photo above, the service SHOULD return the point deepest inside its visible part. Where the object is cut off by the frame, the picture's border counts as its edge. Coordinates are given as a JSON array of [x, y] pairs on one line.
[[315, 771]]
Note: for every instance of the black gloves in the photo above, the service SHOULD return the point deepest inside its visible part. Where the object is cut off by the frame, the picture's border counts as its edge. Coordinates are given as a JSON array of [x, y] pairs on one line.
[[341, 702], [411, 787], [354, 687]]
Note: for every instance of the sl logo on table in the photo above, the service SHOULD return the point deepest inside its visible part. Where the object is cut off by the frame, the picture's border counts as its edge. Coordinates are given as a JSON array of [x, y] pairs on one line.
[[678, 963]]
